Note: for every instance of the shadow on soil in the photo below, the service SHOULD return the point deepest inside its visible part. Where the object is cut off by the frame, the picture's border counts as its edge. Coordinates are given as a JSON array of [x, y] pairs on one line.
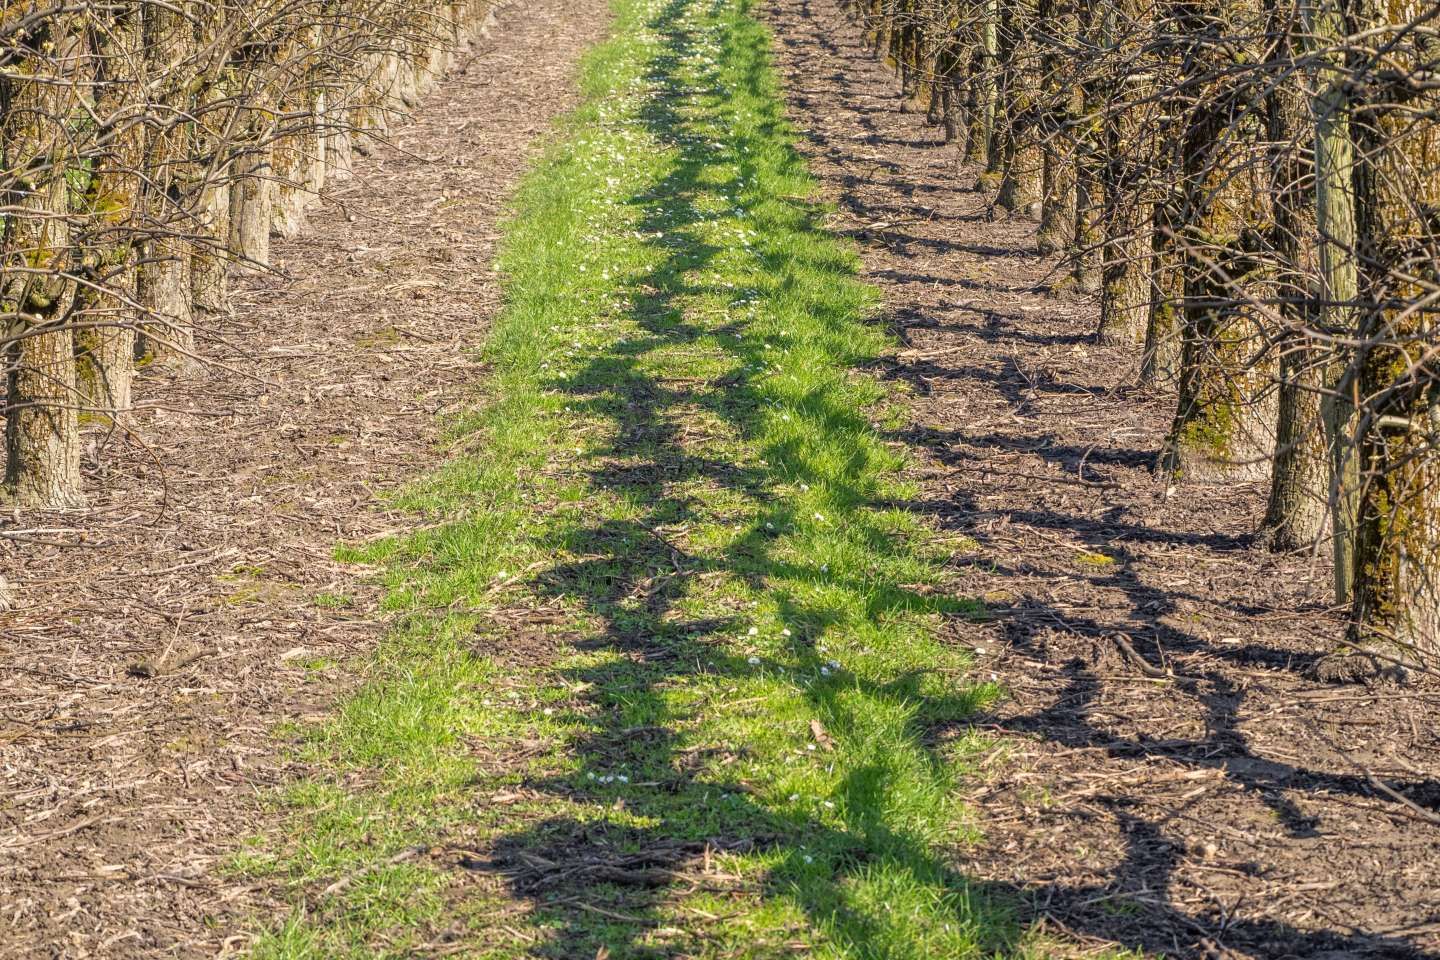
[[1151, 858]]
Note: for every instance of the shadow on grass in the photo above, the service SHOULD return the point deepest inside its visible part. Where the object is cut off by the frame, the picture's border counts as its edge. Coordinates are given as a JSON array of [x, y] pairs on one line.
[[603, 884]]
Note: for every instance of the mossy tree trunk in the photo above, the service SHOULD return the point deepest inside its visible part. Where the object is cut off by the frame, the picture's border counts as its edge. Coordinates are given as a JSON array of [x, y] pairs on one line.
[[1395, 616], [1128, 213], [38, 99], [984, 95], [105, 333], [1022, 156], [1224, 421]]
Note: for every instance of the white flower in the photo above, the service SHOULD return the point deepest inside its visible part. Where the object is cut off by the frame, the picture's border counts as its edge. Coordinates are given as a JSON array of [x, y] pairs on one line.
[[785, 632], [829, 805], [753, 631]]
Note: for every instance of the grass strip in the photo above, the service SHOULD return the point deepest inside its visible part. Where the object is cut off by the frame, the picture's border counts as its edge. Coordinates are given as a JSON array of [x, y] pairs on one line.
[[666, 677]]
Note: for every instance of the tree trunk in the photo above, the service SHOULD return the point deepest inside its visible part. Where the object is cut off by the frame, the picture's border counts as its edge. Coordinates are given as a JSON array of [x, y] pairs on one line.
[[1395, 615], [164, 280], [1023, 158], [1296, 514], [1057, 203], [1224, 417], [252, 195], [105, 340], [984, 85], [217, 127], [1128, 214], [42, 434]]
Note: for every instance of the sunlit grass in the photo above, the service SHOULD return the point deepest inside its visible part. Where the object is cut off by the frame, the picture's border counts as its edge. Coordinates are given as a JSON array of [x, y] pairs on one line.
[[674, 490]]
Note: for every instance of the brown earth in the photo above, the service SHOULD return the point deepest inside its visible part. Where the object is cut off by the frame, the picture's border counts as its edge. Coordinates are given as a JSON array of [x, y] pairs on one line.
[[1235, 809], [161, 634], [1232, 809]]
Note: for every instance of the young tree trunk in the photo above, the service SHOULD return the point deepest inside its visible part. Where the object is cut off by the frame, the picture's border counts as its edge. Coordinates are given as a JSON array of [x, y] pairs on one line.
[[1023, 157], [38, 96], [105, 339], [1395, 616], [1224, 417], [1339, 269], [1060, 98], [1296, 514], [164, 279], [1090, 158]]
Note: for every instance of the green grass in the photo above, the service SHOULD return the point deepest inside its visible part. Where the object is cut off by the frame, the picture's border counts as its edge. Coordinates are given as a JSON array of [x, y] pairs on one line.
[[666, 677]]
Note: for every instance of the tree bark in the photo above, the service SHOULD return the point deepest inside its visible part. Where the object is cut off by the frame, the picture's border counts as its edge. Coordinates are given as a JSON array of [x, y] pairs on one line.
[[42, 434], [1057, 204], [1223, 427], [1296, 514], [164, 278], [105, 339], [1395, 616]]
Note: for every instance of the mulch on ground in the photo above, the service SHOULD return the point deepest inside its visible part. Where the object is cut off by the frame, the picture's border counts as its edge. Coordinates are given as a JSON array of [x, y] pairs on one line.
[[1185, 788], [160, 635]]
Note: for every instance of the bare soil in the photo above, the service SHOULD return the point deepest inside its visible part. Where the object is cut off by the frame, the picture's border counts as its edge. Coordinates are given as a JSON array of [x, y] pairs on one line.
[[160, 635], [1185, 788]]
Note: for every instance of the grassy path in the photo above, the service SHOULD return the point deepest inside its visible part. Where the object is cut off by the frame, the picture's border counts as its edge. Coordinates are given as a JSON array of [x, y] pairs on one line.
[[665, 678]]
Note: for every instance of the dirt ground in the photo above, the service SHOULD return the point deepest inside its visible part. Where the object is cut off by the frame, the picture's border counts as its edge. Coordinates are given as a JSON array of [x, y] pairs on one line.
[[1235, 809], [160, 635]]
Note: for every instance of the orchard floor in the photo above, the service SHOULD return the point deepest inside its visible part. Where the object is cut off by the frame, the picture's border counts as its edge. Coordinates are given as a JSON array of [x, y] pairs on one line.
[[161, 636], [1228, 812], [206, 556]]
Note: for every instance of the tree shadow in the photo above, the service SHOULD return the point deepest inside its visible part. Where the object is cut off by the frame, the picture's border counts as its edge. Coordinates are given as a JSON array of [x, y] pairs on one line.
[[1144, 613]]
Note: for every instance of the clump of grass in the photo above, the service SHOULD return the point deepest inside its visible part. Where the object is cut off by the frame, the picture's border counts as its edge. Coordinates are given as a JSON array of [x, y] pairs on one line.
[[743, 690]]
